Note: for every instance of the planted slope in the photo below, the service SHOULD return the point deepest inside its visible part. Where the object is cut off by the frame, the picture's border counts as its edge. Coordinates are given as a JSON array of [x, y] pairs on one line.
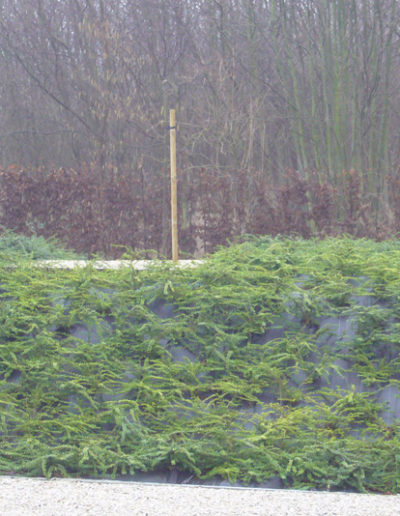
[[276, 359]]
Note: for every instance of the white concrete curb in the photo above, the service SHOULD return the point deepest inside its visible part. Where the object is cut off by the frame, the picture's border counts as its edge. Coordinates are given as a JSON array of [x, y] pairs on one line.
[[115, 264]]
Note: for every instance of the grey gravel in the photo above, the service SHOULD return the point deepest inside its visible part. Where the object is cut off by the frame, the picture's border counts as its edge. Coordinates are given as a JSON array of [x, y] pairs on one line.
[[21, 496]]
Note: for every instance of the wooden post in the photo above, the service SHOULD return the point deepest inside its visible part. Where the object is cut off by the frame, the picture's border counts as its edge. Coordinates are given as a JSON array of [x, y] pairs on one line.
[[174, 208]]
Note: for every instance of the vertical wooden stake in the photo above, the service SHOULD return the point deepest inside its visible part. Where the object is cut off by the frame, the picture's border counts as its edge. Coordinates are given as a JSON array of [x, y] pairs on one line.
[[174, 209]]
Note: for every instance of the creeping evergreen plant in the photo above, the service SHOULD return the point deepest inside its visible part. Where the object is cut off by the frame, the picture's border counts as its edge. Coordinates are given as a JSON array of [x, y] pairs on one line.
[[234, 368]]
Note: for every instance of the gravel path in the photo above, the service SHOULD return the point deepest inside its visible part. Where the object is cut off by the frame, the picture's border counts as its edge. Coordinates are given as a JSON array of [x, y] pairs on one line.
[[24, 496]]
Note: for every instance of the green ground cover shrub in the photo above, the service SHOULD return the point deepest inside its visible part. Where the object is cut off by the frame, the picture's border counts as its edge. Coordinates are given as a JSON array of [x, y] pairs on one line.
[[17, 246], [275, 358]]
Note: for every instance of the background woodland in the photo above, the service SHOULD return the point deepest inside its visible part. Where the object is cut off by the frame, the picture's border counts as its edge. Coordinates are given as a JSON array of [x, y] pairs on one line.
[[288, 119]]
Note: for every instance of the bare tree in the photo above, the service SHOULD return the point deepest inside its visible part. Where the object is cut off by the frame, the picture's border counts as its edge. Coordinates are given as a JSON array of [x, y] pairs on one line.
[[260, 86]]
